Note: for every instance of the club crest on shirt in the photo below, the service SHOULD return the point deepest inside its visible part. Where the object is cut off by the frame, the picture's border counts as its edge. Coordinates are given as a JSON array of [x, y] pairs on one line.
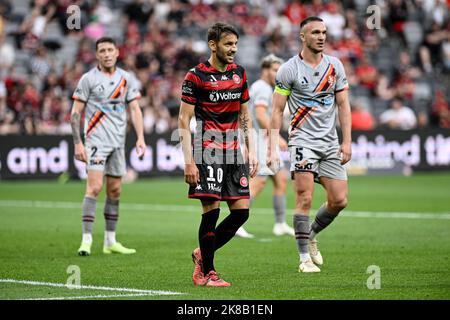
[[243, 181], [236, 79], [331, 79]]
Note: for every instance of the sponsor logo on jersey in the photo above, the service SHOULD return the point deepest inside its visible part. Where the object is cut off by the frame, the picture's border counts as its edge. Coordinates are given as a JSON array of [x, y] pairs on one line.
[[115, 106], [223, 96], [97, 161], [308, 166], [214, 187]]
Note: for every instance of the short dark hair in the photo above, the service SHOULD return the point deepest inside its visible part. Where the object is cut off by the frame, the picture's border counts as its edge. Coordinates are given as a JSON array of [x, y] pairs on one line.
[[308, 20], [103, 40], [216, 30]]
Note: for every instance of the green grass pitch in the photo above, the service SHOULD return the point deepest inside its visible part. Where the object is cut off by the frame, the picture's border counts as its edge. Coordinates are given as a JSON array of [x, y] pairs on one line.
[[399, 224]]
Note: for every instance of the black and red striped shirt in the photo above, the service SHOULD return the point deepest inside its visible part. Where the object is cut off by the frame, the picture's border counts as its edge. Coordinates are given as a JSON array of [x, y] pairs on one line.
[[217, 97]]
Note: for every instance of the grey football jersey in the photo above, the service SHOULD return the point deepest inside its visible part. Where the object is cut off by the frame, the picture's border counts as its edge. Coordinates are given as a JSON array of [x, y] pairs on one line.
[[106, 99], [311, 100], [260, 93]]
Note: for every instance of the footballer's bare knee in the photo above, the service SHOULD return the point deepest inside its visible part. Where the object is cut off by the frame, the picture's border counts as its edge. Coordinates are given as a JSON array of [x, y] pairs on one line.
[[304, 200], [93, 190], [114, 192], [337, 204]]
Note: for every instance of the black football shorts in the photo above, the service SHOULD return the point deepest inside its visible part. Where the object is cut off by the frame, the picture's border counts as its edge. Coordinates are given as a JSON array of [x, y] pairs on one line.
[[222, 182]]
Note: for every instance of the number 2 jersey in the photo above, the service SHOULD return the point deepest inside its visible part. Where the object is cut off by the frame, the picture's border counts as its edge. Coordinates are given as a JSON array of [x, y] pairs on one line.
[[217, 98], [311, 100], [106, 97]]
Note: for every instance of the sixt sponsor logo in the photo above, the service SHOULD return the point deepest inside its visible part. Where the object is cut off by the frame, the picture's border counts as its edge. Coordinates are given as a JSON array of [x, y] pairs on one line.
[[224, 96], [97, 161], [299, 166]]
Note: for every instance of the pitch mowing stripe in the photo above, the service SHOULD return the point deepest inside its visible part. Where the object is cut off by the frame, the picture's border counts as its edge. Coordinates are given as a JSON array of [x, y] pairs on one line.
[[184, 208], [90, 287]]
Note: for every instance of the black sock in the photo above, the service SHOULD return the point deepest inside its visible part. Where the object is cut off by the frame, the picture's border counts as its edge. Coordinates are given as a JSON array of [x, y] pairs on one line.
[[207, 238], [228, 227]]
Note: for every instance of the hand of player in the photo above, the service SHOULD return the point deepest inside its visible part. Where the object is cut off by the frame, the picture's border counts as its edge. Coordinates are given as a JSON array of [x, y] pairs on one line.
[[191, 175], [80, 152], [140, 148], [273, 161], [253, 165], [283, 144], [346, 152]]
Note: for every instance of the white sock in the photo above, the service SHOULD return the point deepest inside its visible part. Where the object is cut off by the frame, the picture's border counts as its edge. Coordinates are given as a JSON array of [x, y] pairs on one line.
[[87, 238], [110, 238], [305, 257]]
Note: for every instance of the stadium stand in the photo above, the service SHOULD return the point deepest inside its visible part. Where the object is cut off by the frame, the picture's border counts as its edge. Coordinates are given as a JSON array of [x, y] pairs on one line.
[[41, 60]]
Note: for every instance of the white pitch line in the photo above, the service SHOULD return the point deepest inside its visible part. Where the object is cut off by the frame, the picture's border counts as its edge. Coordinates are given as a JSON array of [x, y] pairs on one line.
[[99, 296], [190, 208], [89, 287]]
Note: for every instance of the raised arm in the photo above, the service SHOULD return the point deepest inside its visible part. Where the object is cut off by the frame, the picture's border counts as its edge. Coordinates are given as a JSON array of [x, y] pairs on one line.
[[75, 121], [138, 124], [345, 120]]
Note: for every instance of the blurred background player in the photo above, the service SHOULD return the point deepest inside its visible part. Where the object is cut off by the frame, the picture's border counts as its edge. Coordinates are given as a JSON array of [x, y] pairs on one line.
[[103, 94], [260, 105], [314, 85], [216, 92]]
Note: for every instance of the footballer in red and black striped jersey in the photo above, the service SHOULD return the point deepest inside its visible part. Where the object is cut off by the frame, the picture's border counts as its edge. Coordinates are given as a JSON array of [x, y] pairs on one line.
[[216, 92], [217, 97]]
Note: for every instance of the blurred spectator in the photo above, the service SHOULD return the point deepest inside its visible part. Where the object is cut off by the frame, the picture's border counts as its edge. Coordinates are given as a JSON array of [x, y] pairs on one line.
[[296, 12], [431, 49], [139, 11], [398, 116], [7, 117], [362, 119], [160, 40], [40, 63], [440, 111], [7, 53], [367, 74], [334, 20], [280, 23], [384, 90], [34, 26], [398, 15]]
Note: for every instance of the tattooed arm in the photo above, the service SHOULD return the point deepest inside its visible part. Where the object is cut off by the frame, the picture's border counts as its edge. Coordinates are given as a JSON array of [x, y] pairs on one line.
[[75, 121], [245, 124]]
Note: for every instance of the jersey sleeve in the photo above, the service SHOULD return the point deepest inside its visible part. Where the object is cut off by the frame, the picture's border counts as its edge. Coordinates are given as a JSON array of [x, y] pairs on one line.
[[261, 96], [82, 90], [189, 88], [284, 80], [341, 78], [245, 94], [133, 89]]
